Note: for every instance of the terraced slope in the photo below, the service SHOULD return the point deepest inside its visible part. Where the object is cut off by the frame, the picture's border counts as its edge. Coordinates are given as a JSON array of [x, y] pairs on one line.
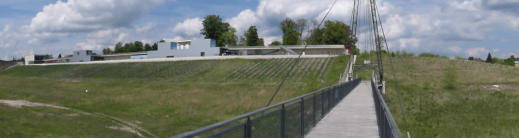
[[164, 98]]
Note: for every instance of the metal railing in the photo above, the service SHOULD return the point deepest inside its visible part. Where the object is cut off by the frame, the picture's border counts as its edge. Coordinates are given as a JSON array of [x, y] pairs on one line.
[[386, 124], [291, 118]]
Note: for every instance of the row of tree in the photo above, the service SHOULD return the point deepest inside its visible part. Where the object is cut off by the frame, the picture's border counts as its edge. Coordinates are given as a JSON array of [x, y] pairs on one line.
[[509, 61], [333, 33], [136, 46]]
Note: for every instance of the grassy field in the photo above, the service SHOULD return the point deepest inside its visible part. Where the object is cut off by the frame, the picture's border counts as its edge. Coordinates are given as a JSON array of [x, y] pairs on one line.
[[454, 98], [164, 98]]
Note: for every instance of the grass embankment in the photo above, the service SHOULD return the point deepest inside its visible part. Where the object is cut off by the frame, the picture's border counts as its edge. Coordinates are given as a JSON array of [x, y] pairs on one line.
[[454, 98], [165, 98]]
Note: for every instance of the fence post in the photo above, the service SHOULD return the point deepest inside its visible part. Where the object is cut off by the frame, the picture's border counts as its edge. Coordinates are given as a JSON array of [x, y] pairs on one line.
[[302, 117], [282, 127]]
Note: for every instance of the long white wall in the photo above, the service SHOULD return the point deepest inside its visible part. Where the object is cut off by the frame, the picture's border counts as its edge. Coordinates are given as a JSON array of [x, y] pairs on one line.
[[187, 59]]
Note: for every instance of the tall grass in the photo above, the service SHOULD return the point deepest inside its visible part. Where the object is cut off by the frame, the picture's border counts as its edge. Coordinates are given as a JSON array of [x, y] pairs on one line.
[[454, 98]]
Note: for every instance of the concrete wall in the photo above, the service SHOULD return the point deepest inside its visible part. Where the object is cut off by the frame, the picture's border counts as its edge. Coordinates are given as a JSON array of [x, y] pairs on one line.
[[324, 51], [81, 56], [117, 57], [29, 59], [195, 48]]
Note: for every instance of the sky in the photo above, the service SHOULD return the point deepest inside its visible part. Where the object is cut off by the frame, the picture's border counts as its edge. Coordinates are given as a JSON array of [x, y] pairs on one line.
[[446, 27]]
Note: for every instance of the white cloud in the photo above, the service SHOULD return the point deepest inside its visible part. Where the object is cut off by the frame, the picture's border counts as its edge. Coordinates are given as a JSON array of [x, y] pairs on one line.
[[10, 37], [243, 20], [89, 15], [477, 52], [188, 29], [102, 39], [145, 28], [454, 49]]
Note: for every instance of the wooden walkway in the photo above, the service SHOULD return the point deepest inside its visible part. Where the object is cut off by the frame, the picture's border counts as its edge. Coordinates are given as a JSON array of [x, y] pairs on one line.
[[353, 117]]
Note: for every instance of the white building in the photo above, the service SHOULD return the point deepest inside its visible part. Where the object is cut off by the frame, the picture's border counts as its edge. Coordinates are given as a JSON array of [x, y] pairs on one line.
[[517, 64], [82, 56], [190, 48]]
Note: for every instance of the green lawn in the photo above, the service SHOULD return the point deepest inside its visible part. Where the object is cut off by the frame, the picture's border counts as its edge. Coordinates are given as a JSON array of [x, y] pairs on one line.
[[164, 98], [454, 98]]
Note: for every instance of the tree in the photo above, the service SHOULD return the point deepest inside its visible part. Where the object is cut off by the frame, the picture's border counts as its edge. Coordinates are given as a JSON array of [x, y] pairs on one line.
[[261, 42], [107, 51], [275, 43], [138, 46], [510, 61], [489, 58], [229, 37], [130, 47], [155, 46], [119, 47], [471, 58], [252, 38], [147, 47], [213, 28], [290, 33], [301, 25], [336, 32], [316, 37]]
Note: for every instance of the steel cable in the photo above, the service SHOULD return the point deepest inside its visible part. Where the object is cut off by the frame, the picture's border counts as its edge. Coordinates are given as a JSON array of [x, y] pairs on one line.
[[299, 57]]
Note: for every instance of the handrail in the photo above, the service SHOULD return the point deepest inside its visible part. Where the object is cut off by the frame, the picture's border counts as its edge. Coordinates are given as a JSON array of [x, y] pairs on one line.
[[262, 110], [386, 123]]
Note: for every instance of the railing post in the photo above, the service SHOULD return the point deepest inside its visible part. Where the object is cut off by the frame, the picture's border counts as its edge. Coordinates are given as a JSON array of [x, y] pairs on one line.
[[302, 117], [322, 105], [248, 128], [282, 127], [313, 109]]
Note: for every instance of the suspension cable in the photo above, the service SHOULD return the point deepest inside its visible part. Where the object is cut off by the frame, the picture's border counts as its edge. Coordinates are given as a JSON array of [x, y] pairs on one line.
[[299, 57], [402, 109]]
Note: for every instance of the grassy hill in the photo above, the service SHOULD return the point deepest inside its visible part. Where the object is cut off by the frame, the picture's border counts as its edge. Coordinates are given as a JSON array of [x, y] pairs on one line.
[[454, 98], [163, 98]]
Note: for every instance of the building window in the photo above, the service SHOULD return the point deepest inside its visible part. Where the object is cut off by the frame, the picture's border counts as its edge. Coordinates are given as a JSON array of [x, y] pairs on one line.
[[173, 45], [202, 54], [88, 52], [213, 43]]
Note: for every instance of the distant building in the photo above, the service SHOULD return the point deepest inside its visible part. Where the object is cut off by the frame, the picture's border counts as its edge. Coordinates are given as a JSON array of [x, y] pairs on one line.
[[36, 59], [517, 64], [190, 48], [286, 50], [82, 56], [121, 56]]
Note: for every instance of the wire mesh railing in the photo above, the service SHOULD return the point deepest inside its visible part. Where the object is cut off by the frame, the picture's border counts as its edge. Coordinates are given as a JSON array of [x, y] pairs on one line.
[[386, 124], [291, 118]]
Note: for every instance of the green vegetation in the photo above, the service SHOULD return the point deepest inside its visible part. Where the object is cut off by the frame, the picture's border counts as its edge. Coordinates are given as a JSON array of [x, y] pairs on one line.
[[216, 29], [165, 98], [275, 43], [453, 98], [333, 33], [50, 122], [252, 38], [291, 35], [136, 46]]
